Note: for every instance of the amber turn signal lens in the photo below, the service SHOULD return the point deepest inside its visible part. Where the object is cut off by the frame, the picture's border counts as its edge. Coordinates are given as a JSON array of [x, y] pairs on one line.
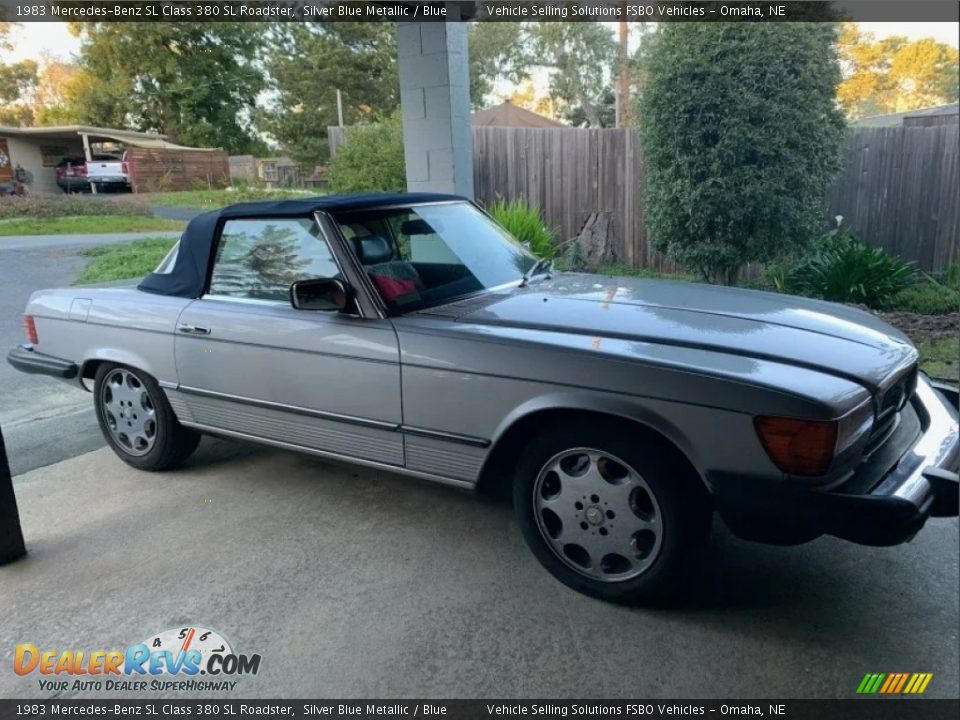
[[31, 329], [798, 447]]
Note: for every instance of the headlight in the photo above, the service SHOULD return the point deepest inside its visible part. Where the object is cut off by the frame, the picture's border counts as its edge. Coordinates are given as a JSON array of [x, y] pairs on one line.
[[854, 425]]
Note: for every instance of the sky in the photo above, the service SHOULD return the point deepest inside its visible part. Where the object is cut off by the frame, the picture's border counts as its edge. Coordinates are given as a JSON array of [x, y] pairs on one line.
[[34, 40]]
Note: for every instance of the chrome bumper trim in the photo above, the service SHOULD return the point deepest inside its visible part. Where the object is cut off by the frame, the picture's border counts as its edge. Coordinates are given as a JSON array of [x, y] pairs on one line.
[[938, 447]]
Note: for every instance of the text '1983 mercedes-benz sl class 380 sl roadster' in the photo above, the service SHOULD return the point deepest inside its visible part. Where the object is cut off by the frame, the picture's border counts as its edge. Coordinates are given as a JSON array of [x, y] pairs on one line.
[[412, 333]]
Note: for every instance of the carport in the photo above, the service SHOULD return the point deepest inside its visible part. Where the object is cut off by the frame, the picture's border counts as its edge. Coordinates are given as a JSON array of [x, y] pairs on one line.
[[38, 150]]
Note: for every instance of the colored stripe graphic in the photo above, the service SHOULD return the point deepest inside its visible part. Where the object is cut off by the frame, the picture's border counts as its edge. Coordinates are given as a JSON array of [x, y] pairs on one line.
[[903, 679], [894, 683]]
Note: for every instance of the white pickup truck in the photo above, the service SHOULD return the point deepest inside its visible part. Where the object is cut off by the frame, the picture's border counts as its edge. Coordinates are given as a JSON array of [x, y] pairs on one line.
[[108, 175]]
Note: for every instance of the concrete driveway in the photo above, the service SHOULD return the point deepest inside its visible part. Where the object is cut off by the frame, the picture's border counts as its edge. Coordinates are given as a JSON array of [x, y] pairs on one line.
[[354, 583]]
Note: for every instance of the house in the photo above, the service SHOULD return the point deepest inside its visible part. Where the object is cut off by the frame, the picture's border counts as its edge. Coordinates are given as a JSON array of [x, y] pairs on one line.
[[154, 161], [276, 172], [506, 114], [926, 117]]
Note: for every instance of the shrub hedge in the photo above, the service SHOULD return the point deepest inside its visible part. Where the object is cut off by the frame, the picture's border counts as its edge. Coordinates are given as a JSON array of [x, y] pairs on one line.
[[54, 206]]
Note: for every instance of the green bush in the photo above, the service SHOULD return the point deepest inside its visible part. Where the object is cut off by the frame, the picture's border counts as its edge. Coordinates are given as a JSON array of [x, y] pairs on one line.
[[843, 269], [526, 224], [370, 160], [927, 298], [122, 261], [54, 206], [741, 139]]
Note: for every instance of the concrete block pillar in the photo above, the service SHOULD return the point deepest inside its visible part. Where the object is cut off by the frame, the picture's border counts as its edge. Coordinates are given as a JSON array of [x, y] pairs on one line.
[[435, 105]]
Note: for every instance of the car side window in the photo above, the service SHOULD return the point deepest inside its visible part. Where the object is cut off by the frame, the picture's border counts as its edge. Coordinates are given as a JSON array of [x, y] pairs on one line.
[[261, 259], [419, 242]]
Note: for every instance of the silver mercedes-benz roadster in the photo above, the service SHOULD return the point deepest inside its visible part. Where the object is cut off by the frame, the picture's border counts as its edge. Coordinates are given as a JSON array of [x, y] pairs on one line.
[[412, 333]]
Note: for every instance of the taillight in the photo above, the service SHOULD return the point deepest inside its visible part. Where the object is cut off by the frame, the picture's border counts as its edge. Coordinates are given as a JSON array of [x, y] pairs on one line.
[[123, 167], [798, 447], [31, 328]]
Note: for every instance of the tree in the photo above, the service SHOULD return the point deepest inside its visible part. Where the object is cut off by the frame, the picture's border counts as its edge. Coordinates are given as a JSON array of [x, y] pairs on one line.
[[195, 82], [894, 74], [308, 63], [527, 96], [16, 81], [497, 50], [371, 159], [606, 109], [61, 93], [741, 138], [580, 57]]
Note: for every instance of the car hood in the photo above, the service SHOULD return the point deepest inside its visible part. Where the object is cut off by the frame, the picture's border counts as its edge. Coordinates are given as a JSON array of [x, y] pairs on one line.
[[832, 338]]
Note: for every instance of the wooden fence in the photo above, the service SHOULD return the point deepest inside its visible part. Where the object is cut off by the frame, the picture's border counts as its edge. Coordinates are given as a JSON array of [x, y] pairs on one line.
[[155, 170], [898, 189]]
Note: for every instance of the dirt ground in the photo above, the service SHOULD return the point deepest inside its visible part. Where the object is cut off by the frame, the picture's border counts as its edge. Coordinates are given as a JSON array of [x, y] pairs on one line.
[[936, 336]]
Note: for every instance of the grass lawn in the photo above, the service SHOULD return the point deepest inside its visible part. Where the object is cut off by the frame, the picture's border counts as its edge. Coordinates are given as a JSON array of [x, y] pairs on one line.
[[212, 199], [123, 260], [940, 358], [87, 225]]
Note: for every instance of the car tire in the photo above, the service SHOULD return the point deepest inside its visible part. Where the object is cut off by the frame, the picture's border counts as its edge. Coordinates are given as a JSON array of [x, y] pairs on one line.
[[137, 421], [612, 511]]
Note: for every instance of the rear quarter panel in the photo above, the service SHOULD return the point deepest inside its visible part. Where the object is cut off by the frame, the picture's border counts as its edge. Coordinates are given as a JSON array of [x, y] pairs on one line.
[[120, 325]]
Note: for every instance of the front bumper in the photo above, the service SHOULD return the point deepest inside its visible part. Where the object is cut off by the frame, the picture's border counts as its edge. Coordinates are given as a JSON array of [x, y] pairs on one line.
[[870, 507], [25, 359]]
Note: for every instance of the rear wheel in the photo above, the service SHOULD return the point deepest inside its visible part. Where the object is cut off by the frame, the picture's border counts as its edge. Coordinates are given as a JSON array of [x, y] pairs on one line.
[[138, 422], [610, 511]]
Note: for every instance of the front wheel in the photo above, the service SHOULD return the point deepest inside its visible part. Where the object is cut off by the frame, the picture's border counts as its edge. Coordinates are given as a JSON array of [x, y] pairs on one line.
[[610, 511], [137, 421]]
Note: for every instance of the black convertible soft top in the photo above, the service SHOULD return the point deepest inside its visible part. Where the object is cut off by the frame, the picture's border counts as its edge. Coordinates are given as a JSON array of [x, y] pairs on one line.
[[189, 273]]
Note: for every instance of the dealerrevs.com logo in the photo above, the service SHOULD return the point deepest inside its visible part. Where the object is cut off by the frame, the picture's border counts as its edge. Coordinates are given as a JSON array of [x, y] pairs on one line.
[[181, 659]]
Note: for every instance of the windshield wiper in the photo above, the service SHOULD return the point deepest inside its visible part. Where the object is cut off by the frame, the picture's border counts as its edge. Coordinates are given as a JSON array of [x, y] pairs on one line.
[[542, 265]]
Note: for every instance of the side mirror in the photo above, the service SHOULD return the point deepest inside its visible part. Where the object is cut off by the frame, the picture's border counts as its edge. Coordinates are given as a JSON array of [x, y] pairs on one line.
[[320, 294]]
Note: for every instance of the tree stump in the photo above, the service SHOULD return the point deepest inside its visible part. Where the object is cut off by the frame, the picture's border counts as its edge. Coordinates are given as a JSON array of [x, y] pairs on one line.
[[596, 241], [11, 537]]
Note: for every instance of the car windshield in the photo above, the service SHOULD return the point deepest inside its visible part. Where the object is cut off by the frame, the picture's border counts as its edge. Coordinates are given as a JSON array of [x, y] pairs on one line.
[[426, 255]]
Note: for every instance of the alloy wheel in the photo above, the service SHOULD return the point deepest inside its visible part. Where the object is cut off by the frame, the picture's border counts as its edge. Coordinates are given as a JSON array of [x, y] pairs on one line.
[[129, 411], [598, 515]]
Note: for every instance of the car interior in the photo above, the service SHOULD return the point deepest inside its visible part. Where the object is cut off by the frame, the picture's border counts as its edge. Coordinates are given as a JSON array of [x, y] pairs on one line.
[[407, 262]]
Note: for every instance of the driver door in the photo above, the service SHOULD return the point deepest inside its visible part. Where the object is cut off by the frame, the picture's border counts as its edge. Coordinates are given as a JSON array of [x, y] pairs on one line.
[[250, 365]]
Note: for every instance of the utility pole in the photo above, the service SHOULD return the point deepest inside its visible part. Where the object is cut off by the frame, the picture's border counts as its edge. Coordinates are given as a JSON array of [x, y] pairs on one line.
[[623, 91], [339, 108], [11, 536]]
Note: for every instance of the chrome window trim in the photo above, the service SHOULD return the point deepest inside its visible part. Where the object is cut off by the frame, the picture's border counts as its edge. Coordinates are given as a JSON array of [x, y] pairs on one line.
[[357, 277]]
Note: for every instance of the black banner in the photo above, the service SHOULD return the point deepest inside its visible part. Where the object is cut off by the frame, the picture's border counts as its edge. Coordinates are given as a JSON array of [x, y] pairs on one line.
[[858, 709], [485, 10]]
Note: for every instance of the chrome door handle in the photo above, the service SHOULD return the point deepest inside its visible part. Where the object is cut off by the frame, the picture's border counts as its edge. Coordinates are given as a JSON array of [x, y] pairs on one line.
[[193, 329]]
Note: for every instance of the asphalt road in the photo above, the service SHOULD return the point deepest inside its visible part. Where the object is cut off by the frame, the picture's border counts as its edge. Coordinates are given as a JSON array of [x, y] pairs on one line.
[[44, 420]]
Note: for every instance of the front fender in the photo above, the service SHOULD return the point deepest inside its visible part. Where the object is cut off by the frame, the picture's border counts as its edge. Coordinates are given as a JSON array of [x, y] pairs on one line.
[[631, 409]]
